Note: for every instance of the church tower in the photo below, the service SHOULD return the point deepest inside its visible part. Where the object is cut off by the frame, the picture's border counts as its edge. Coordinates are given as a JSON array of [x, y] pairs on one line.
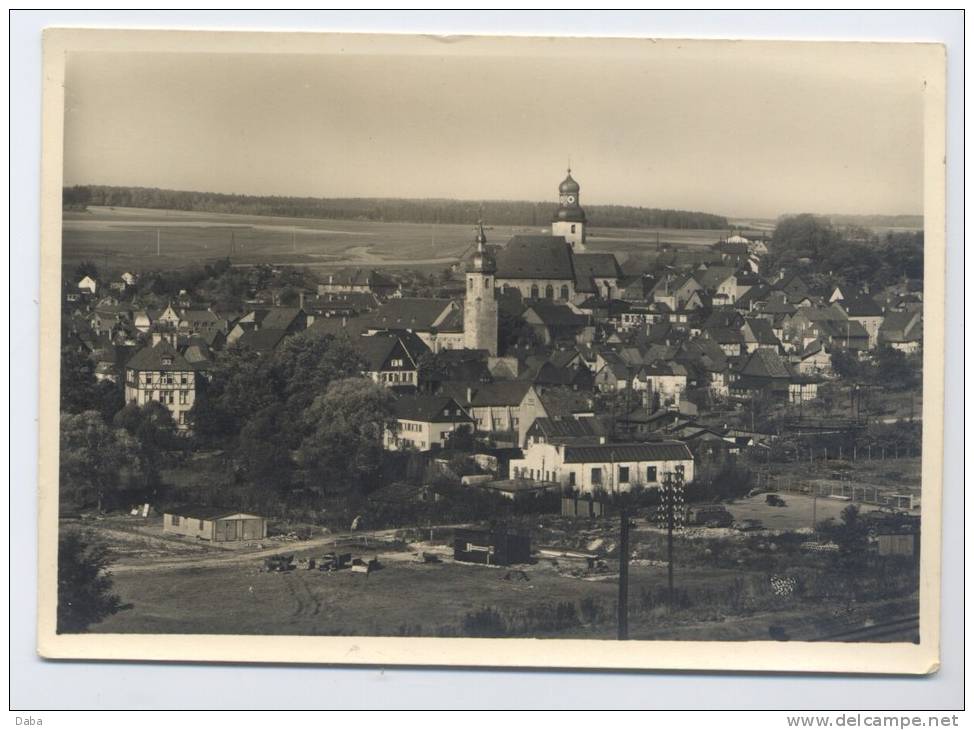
[[569, 221], [480, 304]]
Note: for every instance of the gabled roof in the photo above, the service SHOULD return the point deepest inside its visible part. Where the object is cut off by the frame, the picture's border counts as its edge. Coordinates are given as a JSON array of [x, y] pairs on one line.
[[600, 265], [609, 453], [263, 340], [507, 393], [765, 364], [715, 276], [377, 349], [862, 306], [413, 313], [280, 318], [563, 402], [535, 257], [568, 427], [162, 357], [201, 512], [761, 329], [429, 409], [553, 314], [901, 327]]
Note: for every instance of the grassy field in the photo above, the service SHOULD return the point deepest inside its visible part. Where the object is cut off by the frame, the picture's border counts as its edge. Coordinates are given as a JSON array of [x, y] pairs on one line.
[[723, 580], [125, 238]]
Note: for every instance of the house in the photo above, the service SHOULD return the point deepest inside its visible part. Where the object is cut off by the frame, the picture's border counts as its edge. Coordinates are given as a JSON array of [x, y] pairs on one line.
[[867, 312], [262, 341], [565, 430], [814, 359], [290, 320], [494, 407], [721, 283], [360, 281], [902, 331], [611, 467], [215, 524], [597, 273], [423, 422], [437, 322], [668, 379], [540, 402], [388, 361], [765, 373], [558, 323], [161, 374], [87, 285], [758, 333]]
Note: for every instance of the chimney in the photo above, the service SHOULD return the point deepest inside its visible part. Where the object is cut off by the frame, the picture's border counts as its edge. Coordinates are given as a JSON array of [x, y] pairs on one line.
[[469, 394], [301, 299]]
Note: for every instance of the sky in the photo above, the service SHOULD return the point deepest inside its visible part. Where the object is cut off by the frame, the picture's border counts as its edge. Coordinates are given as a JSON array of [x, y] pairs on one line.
[[731, 129]]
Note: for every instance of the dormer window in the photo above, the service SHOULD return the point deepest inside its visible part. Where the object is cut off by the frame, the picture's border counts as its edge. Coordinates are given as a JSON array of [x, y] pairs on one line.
[[167, 360]]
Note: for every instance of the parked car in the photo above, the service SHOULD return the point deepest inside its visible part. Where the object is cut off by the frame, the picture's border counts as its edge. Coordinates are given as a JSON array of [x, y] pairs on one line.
[[748, 525], [713, 515], [774, 500]]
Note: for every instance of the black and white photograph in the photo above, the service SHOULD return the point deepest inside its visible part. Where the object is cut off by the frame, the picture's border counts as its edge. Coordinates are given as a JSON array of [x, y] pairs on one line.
[[393, 342]]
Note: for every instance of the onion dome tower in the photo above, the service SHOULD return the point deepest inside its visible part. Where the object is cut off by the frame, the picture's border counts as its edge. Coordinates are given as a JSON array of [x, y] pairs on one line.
[[569, 220]]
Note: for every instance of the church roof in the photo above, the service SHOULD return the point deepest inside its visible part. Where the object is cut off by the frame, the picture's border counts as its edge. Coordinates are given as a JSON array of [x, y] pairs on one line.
[[536, 257]]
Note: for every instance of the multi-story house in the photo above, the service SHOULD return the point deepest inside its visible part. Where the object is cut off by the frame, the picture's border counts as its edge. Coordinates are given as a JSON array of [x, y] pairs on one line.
[[159, 373]]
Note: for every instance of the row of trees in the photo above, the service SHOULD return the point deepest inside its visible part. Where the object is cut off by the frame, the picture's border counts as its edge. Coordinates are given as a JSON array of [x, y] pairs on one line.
[[498, 212], [817, 247]]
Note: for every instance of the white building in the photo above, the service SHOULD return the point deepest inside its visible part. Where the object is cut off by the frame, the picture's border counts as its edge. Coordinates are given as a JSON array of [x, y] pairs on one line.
[[609, 467]]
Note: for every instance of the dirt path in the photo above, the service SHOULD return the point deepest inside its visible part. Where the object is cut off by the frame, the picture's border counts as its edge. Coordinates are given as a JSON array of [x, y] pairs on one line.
[[242, 558]]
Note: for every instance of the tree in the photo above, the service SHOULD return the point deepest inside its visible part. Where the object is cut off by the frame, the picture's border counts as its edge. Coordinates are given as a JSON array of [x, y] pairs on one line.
[[345, 427], [154, 428], [264, 451], [84, 595], [83, 269], [97, 462], [846, 364], [892, 367]]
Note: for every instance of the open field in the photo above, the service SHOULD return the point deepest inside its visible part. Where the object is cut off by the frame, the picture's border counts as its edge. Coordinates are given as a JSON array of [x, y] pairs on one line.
[[125, 238], [201, 589]]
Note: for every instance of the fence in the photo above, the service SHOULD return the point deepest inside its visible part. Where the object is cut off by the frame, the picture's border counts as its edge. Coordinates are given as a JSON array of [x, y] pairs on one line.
[[577, 507], [862, 493], [841, 453]]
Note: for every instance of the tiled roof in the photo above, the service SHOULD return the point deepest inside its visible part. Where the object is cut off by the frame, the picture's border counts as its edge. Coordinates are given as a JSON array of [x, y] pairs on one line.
[[414, 313], [863, 306], [162, 357], [280, 318], [263, 340], [535, 257], [607, 453], [429, 408], [765, 364]]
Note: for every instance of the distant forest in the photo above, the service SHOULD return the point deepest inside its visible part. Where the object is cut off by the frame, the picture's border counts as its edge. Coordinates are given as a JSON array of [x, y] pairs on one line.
[[392, 210]]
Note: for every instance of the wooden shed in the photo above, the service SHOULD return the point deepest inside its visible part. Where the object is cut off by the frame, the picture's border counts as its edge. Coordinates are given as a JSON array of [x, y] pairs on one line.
[[491, 547], [215, 524]]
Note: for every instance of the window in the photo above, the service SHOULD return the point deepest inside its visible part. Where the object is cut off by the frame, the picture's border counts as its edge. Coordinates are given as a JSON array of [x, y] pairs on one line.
[[175, 520], [201, 525], [564, 291], [680, 470], [623, 475], [534, 291], [549, 292], [597, 476], [573, 227], [182, 418], [182, 397], [571, 479], [651, 474]]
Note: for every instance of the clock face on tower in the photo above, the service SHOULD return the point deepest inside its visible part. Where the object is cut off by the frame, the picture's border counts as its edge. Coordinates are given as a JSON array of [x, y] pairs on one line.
[[570, 199]]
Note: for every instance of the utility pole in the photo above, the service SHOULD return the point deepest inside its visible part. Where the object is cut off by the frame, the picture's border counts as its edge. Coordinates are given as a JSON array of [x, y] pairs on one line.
[[624, 576], [158, 245], [670, 516]]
